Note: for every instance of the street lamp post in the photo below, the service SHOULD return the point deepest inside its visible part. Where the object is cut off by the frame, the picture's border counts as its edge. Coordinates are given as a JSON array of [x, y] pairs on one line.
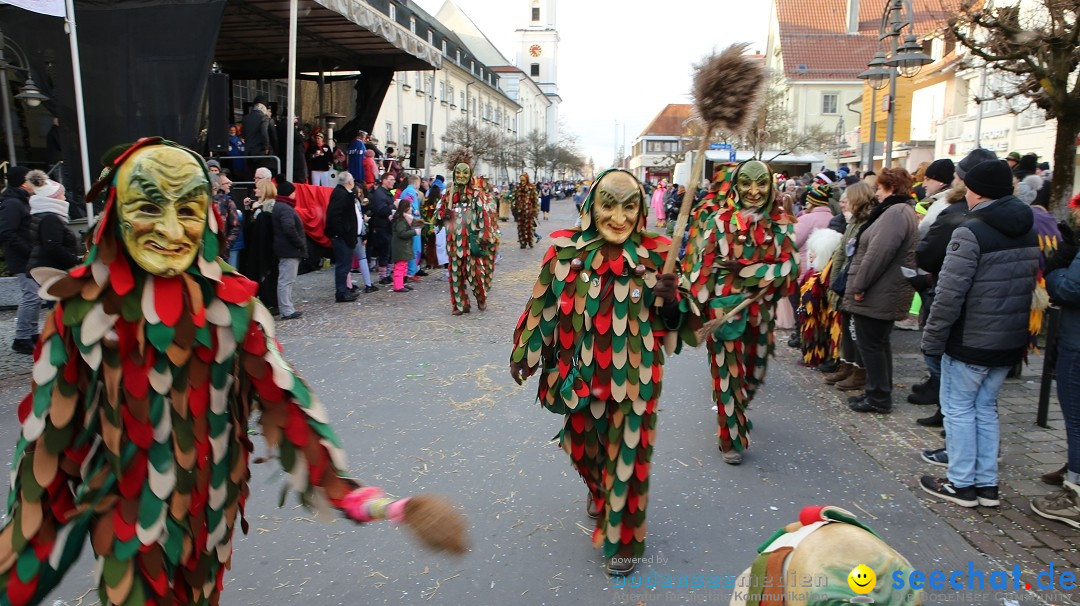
[[907, 58], [28, 93]]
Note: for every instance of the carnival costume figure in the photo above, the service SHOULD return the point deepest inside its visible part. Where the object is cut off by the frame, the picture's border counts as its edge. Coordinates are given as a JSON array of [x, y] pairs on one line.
[[526, 209], [746, 256], [148, 369], [470, 239], [593, 330]]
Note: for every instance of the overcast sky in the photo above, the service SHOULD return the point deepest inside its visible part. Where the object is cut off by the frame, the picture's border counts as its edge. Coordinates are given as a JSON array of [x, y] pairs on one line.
[[623, 61]]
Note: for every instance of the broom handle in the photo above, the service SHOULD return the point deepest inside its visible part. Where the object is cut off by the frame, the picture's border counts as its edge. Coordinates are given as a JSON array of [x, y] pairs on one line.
[[684, 210], [712, 325]]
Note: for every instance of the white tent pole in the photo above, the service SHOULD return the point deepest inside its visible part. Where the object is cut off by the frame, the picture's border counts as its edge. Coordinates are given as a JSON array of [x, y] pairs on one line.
[[80, 110], [290, 136]]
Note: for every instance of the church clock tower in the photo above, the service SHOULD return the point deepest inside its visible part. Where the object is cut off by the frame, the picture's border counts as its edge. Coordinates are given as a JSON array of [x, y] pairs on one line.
[[538, 54]]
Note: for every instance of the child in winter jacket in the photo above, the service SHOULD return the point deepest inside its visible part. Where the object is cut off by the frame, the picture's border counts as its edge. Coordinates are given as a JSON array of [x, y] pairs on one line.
[[401, 249]]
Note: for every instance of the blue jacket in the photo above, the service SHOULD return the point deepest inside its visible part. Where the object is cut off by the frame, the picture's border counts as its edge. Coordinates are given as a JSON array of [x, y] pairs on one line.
[[1063, 285], [356, 160], [413, 196]]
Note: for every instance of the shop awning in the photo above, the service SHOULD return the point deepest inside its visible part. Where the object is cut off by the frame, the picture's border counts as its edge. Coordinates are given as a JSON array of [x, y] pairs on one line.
[[333, 35]]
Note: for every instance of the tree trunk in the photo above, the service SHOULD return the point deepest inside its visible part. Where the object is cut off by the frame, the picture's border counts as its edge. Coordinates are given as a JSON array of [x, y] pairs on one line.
[[1068, 126]]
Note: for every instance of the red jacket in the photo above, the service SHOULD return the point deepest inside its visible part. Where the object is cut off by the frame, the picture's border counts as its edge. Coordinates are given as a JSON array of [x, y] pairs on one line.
[[370, 171]]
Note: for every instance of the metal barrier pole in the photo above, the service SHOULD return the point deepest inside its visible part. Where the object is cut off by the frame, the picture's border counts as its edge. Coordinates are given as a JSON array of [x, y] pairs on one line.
[[1053, 320]]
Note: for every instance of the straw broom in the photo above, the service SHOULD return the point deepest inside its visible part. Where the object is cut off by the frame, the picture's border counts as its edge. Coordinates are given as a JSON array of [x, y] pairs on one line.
[[727, 92]]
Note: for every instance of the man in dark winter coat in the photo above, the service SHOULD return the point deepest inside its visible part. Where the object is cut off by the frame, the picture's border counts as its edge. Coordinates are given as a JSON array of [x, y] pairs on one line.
[[15, 237], [341, 228], [979, 325], [256, 125], [380, 209], [290, 245], [929, 256]]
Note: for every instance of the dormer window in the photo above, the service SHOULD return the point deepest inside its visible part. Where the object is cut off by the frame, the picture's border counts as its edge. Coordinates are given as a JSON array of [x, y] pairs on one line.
[[412, 24]]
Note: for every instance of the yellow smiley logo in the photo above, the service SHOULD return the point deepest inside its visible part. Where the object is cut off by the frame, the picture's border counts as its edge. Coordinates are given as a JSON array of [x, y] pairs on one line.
[[862, 579]]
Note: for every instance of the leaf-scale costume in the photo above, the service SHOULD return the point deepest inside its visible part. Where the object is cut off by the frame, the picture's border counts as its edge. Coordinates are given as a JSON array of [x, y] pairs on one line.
[[135, 433], [470, 240], [746, 249], [592, 330], [526, 208]]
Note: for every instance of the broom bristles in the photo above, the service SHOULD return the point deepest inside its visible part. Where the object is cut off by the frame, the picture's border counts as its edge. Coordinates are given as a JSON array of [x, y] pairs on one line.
[[437, 523], [728, 89]]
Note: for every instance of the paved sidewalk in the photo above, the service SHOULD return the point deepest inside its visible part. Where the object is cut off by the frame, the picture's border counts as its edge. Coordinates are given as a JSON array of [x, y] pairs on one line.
[[1011, 534]]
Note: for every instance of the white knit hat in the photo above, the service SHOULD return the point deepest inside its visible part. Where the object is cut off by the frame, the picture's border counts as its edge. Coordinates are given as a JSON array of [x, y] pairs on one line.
[[42, 184]]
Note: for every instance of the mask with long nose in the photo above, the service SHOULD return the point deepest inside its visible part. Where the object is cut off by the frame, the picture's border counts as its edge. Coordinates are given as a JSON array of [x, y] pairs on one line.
[[162, 200], [617, 207]]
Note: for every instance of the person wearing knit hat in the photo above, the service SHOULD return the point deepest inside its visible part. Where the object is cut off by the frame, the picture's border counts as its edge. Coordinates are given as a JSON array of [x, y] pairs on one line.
[[938, 178], [818, 195], [15, 238], [974, 157], [978, 324], [213, 166], [52, 243], [990, 180], [1013, 159], [942, 171]]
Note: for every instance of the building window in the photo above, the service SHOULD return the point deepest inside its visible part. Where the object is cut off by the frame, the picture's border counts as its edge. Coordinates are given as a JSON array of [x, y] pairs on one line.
[[458, 59], [427, 85], [405, 136], [412, 24], [430, 38], [463, 100], [472, 67], [442, 91], [417, 74], [829, 103], [393, 12], [535, 13], [534, 70], [1030, 118], [481, 73], [389, 132], [449, 93]]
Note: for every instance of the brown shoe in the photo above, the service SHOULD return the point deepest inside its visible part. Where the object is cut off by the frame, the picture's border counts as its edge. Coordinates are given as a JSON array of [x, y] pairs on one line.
[[841, 373], [590, 508], [481, 306], [1056, 477], [855, 381]]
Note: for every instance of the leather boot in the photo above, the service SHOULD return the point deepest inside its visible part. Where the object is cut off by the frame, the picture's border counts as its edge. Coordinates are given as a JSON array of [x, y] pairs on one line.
[[841, 373], [935, 420], [1056, 477], [856, 380]]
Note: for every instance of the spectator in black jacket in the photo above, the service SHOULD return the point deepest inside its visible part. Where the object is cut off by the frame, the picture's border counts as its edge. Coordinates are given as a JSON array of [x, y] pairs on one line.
[[15, 237], [929, 256], [290, 246], [52, 243], [341, 228], [256, 125], [380, 210]]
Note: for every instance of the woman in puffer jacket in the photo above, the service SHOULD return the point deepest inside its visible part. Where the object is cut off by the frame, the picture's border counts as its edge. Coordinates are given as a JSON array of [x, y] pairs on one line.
[[52, 243]]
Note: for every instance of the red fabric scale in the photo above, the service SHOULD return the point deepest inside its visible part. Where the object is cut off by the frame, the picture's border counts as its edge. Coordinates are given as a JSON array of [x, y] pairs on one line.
[[71, 369], [78, 271], [136, 379], [199, 399], [296, 428], [169, 299], [20, 593], [131, 482], [123, 529], [25, 407], [268, 391], [141, 433], [236, 289], [255, 341], [120, 277], [42, 549], [601, 390], [577, 449]]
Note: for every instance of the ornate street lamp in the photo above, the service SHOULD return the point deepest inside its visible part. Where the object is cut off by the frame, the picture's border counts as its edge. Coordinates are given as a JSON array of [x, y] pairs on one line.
[[30, 94], [908, 58]]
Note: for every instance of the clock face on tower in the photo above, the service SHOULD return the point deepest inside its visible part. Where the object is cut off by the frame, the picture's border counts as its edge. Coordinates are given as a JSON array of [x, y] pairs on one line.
[[535, 50]]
